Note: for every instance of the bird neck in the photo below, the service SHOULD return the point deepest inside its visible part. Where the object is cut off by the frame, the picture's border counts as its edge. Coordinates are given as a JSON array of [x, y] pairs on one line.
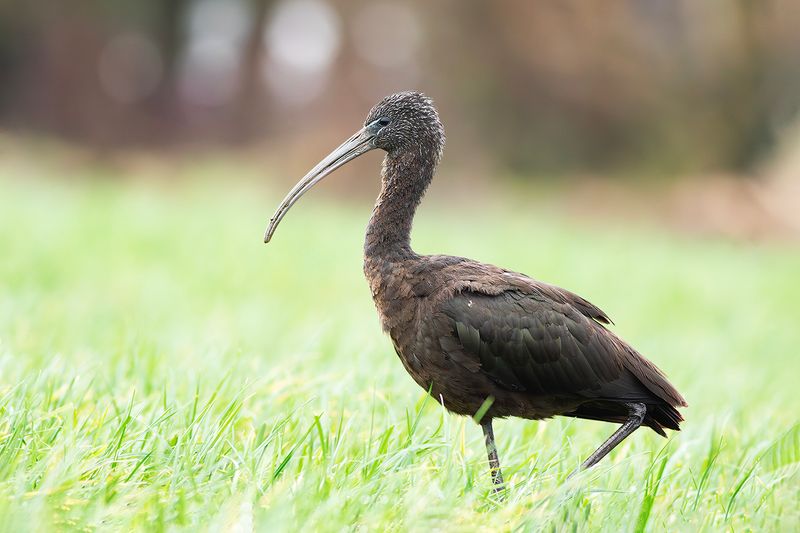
[[405, 177]]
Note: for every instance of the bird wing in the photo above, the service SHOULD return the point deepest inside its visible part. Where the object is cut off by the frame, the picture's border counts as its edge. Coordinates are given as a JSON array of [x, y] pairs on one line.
[[559, 295], [543, 342]]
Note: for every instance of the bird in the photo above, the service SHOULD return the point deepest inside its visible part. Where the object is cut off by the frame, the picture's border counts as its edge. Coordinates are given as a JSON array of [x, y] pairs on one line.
[[485, 341]]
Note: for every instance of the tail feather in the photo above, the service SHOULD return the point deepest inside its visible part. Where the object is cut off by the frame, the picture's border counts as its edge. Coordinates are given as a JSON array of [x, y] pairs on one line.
[[658, 417], [665, 416]]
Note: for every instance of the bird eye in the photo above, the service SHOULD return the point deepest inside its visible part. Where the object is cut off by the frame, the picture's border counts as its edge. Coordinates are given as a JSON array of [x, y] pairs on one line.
[[382, 122]]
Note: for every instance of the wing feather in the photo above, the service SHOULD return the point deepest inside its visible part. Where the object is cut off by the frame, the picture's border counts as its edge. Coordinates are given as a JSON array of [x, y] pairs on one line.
[[546, 343]]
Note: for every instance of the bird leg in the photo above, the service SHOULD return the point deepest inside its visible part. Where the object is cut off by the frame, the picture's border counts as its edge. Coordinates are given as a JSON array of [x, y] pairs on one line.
[[636, 412], [494, 460]]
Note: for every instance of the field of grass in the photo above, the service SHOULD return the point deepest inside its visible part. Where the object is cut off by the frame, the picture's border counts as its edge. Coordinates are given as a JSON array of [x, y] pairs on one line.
[[162, 369]]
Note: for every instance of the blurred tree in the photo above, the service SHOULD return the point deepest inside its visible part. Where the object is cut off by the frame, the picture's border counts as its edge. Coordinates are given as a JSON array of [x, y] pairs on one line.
[[169, 20], [250, 104]]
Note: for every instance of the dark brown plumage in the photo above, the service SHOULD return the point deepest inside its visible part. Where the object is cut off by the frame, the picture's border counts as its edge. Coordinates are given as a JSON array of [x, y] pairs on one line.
[[480, 338]]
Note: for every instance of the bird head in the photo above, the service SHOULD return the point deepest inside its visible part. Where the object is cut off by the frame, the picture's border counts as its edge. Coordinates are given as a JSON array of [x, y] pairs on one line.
[[405, 122], [405, 119]]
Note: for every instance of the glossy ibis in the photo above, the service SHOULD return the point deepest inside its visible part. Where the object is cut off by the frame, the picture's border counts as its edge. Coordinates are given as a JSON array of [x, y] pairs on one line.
[[485, 341]]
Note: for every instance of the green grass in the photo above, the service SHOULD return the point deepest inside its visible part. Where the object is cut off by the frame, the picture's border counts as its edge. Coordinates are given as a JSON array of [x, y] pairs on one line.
[[162, 369]]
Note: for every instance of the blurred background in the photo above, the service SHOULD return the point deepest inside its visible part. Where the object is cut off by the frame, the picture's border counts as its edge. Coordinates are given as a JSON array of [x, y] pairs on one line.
[[699, 97]]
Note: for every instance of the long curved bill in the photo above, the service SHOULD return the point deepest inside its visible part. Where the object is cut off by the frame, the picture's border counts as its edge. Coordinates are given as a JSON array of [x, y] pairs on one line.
[[360, 143]]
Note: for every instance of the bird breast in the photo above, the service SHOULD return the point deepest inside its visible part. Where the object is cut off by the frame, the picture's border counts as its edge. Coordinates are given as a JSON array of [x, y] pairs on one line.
[[394, 293]]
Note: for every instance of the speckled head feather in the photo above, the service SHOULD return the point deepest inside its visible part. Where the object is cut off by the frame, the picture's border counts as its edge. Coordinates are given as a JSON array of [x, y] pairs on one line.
[[412, 122]]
